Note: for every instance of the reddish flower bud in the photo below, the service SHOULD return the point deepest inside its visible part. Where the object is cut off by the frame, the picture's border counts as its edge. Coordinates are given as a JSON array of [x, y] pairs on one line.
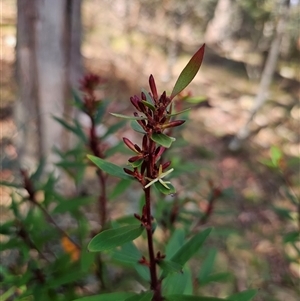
[[172, 124], [130, 145], [135, 101], [129, 172], [145, 142], [166, 165], [135, 158], [153, 87], [159, 151]]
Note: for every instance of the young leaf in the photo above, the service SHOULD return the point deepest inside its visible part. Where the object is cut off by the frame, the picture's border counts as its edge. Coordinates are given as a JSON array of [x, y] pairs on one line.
[[161, 188], [128, 117], [192, 298], [170, 266], [107, 297], [112, 238], [110, 168], [147, 296], [189, 72], [190, 247], [243, 296], [162, 139]]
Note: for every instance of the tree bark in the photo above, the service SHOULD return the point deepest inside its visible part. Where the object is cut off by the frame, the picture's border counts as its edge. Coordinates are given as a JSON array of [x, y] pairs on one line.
[[48, 64], [266, 78]]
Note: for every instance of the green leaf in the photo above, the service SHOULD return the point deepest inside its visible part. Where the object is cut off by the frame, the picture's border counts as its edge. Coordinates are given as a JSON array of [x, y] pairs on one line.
[[119, 189], [161, 188], [147, 296], [170, 266], [291, 237], [113, 128], [110, 168], [162, 139], [196, 99], [128, 117], [192, 298], [243, 296], [136, 127], [9, 184], [179, 283], [128, 254], [190, 247], [68, 205], [112, 238], [175, 242], [207, 265], [37, 174], [149, 105], [215, 277], [178, 113], [189, 72], [101, 109], [107, 297], [276, 155], [77, 99]]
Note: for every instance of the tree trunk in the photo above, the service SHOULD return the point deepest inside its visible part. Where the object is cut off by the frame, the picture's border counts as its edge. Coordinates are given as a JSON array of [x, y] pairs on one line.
[[48, 64], [266, 77], [218, 28]]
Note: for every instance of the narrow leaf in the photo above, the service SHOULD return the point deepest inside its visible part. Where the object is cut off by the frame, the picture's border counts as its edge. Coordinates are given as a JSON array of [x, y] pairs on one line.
[[107, 297], [110, 168], [128, 117], [162, 139], [190, 248], [181, 112], [149, 105], [136, 127], [192, 298], [119, 188], [170, 266], [189, 72], [112, 238], [243, 296], [9, 184], [141, 297]]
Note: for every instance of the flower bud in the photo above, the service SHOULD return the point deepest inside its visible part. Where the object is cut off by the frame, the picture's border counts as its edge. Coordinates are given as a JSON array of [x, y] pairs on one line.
[[172, 124], [130, 145], [153, 87]]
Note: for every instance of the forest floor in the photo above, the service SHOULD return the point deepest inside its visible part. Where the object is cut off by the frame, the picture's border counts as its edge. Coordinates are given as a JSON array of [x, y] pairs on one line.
[[254, 251]]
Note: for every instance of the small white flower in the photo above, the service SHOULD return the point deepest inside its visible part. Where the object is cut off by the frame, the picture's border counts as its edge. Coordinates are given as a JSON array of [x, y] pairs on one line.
[[161, 175]]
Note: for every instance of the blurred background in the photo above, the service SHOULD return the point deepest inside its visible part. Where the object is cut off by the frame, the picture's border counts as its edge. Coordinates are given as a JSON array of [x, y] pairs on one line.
[[246, 114]]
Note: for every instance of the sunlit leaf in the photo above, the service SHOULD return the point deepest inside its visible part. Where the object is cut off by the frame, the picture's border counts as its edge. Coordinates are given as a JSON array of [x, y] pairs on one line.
[[112, 238], [189, 72], [162, 139]]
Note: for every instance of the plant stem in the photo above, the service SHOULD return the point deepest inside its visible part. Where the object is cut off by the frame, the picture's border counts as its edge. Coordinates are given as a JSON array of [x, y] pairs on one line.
[[102, 200], [155, 283]]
